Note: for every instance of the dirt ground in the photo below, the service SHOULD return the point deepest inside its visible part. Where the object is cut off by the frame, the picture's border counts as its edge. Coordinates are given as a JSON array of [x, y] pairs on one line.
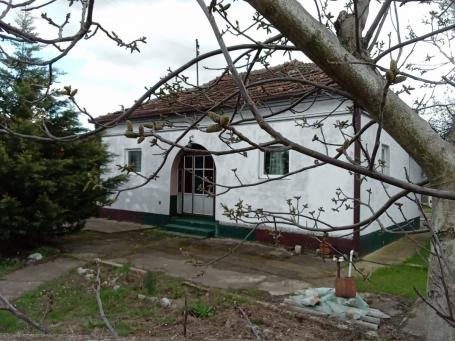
[[252, 266], [67, 307]]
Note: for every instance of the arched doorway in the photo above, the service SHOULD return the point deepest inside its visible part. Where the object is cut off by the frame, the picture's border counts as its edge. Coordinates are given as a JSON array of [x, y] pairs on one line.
[[192, 176]]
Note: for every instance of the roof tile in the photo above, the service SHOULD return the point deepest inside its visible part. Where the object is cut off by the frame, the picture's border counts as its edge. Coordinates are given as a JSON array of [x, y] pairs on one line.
[[212, 93]]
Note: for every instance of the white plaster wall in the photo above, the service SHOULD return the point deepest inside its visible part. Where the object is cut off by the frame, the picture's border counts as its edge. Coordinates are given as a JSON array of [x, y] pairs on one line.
[[316, 187], [399, 159]]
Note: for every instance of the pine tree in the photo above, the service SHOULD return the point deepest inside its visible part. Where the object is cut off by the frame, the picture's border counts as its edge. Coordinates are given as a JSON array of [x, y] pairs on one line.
[[43, 188]]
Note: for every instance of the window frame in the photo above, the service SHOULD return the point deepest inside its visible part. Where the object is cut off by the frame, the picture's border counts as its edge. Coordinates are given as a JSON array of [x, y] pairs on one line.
[[385, 167], [261, 170], [127, 158]]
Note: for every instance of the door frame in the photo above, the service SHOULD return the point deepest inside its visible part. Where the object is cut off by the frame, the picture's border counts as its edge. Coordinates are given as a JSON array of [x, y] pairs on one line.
[[181, 181]]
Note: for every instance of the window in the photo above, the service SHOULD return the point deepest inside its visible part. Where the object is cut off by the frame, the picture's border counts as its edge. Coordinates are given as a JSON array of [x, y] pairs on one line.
[[134, 159], [385, 159], [274, 163]]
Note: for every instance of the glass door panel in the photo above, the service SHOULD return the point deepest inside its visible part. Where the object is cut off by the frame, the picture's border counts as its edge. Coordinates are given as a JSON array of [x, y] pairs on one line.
[[194, 189]]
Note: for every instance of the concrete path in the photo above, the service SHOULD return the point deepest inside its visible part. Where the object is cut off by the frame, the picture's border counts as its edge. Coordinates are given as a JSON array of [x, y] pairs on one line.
[[16, 283], [113, 226], [252, 265], [212, 276]]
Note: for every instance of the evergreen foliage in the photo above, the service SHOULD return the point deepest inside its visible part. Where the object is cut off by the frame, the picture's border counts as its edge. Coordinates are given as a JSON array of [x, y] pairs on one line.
[[43, 186]]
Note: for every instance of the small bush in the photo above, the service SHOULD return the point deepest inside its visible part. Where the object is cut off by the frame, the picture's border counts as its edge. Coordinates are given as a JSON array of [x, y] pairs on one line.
[[150, 283], [200, 309]]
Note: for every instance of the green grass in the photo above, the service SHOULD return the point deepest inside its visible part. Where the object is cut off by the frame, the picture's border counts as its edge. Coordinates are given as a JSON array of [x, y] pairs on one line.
[[254, 293], [399, 279], [46, 251], [68, 304], [124, 269], [420, 258], [169, 286], [150, 280], [427, 210], [71, 305], [10, 265], [201, 309]]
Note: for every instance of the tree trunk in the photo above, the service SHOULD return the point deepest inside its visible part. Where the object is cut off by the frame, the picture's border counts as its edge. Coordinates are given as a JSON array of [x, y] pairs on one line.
[[435, 156], [443, 221]]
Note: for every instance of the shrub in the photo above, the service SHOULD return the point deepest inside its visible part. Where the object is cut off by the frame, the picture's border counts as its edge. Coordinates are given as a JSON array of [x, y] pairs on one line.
[[44, 188]]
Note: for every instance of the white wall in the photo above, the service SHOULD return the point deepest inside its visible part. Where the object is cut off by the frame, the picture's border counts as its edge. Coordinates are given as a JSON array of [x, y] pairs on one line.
[[399, 160], [316, 187]]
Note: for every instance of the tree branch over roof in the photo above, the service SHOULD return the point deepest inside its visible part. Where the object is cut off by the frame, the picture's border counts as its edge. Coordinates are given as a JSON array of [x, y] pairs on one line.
[[412, 132]]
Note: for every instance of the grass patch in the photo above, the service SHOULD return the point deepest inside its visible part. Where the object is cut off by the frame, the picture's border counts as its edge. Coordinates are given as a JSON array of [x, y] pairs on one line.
[[9, 265], [150, 280], [46, 251], [170, 287], [201, 309], [400, 279], [123, 270], [69, 304], [421, 257], [253, 293], [397, 280], [427, 210]]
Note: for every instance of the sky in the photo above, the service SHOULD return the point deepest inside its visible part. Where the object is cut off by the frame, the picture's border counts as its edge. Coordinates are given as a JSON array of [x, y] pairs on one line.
[[108, 76]]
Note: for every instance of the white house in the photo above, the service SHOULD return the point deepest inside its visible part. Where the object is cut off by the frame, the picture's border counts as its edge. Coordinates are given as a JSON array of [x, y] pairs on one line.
[[177, 200]]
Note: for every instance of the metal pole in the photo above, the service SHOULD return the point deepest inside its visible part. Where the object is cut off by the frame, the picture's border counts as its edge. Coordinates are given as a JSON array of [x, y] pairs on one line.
[[197, 63]]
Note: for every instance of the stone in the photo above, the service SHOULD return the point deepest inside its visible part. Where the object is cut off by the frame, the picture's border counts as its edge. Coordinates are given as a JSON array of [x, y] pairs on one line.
[[268, 334], [279, 253], [342, 326], [165, 302], [89, 276], [82, 271], [34, 257], [151, 299], [116, 287], [371, 335]]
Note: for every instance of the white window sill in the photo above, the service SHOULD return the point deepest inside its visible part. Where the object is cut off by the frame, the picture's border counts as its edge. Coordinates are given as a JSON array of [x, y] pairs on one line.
[[264, 176]]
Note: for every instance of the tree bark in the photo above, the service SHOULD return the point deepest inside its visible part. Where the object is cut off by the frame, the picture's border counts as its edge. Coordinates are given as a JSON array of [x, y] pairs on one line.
[[443, 221]]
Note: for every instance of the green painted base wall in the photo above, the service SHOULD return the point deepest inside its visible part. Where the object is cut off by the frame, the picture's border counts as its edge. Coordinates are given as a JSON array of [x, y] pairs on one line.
[[173, 205], [133, 216], [234, 232], [377, 239], [368, 243], [155, 219]]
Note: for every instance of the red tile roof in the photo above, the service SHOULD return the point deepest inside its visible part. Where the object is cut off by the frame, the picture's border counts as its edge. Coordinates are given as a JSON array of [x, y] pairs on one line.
[[206, 96]]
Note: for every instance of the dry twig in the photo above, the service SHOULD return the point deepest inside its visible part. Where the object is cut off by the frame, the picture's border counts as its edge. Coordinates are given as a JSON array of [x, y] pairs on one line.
[[100, 304], [6, 305], [255, 329]]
